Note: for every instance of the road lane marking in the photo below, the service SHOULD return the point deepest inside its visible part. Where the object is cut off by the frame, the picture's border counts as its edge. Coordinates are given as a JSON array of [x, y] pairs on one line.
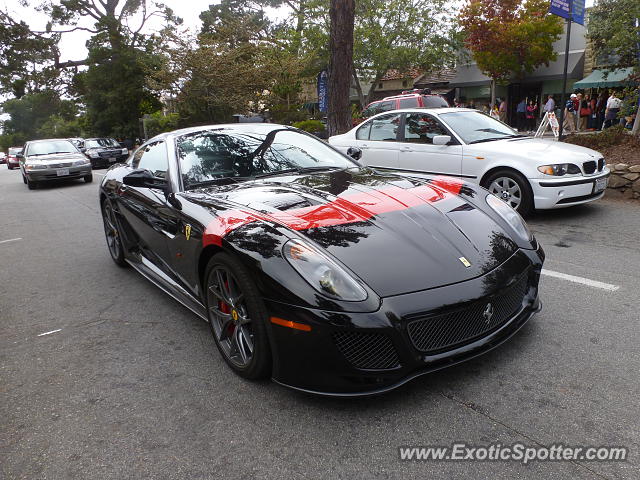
[[584, 281], [101, 174], [49, 333], [10, 240]]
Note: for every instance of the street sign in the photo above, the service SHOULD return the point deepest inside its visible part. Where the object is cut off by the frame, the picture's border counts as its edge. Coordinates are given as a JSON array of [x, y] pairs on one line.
[[323, 97], [561, 8]]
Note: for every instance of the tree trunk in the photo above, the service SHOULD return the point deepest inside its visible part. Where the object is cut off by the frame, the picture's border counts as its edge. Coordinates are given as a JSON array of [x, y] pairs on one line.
[[636, 123], [372, 87], [341, 14], [493, 93]]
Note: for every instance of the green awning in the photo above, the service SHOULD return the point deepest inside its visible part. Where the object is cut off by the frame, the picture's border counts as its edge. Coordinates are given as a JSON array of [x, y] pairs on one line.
[[614, 78]]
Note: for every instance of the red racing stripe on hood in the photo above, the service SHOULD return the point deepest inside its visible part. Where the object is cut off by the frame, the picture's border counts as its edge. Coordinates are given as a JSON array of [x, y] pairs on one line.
[[356, 207]]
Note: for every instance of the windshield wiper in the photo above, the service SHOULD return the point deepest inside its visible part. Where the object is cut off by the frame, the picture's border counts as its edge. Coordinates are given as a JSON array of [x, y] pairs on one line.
[[490, 139], [215, 181], [54, 153], [298, 170]]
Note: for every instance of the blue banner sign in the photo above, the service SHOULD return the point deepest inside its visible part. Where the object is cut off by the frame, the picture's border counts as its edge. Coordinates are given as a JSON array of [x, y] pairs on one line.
[[323, 97], [561, 8]]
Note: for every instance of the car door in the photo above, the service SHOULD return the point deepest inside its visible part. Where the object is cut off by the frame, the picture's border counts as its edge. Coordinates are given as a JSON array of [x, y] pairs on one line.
[[377, 138], [146, 210], [417, 151]]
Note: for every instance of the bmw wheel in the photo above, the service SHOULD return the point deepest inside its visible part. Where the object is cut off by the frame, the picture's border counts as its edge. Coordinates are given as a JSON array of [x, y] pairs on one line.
[[237, 317], [512, 188]]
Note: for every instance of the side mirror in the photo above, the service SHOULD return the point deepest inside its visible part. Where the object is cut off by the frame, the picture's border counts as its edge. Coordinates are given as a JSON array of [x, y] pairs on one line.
[[441, 139], [355, 153], [144, 179], [19, 155]]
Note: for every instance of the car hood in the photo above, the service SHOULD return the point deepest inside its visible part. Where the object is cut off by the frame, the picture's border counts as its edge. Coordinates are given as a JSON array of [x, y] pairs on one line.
[[395, 233], [56, 158], [536, 149]]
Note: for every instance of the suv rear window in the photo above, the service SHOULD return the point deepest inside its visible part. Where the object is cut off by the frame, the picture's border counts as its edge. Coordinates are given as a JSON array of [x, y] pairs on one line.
[[409, 102], [434, 101], [379, 107]]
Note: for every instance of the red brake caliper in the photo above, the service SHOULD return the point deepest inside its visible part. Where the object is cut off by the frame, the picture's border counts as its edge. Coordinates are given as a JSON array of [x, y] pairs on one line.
[[224, 307]]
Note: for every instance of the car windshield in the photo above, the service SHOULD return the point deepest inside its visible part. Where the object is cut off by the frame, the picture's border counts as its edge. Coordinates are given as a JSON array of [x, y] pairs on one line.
[[50, 147], [219, 154], [14, 150], [476, 127], [101, 143]]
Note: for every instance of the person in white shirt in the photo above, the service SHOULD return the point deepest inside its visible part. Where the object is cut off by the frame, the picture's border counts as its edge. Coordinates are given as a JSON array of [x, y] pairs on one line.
[[611, 112], [550, 106]]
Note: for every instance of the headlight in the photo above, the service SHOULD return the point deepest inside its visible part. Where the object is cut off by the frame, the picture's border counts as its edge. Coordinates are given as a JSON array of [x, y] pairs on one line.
[[125, 151], [322, 273], [559, 169], [93, 154], [81, 162], [512, 217], [35, 166]]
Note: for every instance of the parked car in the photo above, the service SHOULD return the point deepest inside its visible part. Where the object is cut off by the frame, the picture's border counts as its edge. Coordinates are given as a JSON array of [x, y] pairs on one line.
[[3, 157], [104, 152], [412, 99], [12, 157], [78, 142], [524, 172], [53, 159], [312, 270]]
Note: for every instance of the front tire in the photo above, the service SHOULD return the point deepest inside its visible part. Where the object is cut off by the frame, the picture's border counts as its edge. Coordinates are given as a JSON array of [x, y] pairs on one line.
[[88, 178], [24, 179], [114, 241], [237, 317], [512, 188], [31, 185]]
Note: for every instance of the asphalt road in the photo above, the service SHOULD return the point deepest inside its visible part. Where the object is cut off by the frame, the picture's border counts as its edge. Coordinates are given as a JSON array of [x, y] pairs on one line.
[[130, 384]]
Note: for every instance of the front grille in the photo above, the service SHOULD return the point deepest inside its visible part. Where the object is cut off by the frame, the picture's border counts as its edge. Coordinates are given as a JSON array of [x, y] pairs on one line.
[[464, 325], [60, 165], [370, 351], [600, 164], [589, 167], [111, 154]]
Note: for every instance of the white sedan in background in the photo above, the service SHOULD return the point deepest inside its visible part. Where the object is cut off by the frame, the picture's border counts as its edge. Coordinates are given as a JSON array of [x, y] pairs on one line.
[[523, 171]]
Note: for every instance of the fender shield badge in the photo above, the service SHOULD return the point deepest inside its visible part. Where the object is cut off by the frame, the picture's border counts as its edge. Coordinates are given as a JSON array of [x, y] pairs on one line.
[[187, 231], [465, 262]]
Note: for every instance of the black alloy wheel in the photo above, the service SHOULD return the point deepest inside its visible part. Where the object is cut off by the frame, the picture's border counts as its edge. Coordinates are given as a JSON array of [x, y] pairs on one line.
[[114, 242], [237, 317]]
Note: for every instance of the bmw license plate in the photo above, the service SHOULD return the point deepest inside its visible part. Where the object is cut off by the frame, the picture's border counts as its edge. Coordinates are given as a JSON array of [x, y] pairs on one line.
[[112, 159], [599, 185], [61, 172]]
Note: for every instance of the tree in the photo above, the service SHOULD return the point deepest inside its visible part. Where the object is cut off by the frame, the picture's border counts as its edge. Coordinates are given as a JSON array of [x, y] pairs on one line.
[[614, 33], [342, 14], [509, 37]]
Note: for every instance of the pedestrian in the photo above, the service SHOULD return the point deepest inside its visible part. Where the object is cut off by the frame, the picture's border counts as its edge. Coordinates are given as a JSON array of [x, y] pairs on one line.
[[502, 109], [583, 112], [601, 106], [611, 112], [521, 113], [550, 106], [591, 123], [532, 108], [569, 123]]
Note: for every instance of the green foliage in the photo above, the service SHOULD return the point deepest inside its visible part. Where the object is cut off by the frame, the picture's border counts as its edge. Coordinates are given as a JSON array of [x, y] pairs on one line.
[[310, 126], [629, 102], [158, 123], [609, 137], [613, 33], [510, 37]]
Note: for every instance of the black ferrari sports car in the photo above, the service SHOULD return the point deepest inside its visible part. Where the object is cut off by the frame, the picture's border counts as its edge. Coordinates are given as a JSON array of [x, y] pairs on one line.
[[329, 277]]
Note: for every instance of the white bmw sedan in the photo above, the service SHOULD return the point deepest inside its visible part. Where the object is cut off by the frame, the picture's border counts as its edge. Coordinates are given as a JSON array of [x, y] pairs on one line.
[[525, 172]]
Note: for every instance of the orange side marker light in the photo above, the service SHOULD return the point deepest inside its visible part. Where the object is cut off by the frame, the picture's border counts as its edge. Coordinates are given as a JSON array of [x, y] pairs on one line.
[[288, 323]]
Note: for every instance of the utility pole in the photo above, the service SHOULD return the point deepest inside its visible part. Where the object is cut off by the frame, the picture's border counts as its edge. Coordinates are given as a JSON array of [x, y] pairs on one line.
[[564, 74], [342, 15]]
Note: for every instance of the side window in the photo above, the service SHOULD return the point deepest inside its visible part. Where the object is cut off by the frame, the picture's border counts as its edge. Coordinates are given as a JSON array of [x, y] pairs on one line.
[[385, 128], [409, 102], [434, 101], [363, 132], [153, 157], [386, 106], [421, 128]]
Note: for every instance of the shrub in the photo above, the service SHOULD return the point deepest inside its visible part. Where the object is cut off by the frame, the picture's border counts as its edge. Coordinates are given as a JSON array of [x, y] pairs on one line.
[[310, 126], [615, 135]]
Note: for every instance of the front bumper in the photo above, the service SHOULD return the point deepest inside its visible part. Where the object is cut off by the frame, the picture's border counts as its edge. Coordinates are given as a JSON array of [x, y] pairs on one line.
[[313, 362], [51, 174], [566, 192], [101, 162], [13, 163]]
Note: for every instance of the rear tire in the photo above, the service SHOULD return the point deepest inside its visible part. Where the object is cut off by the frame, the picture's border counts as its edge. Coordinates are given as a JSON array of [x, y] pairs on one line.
[[88, 178], [238, 324], [512, 188], [30, 184]]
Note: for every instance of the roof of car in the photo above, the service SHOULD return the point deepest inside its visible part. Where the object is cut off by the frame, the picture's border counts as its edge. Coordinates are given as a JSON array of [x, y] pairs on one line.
[[49, 140], [247, 127]]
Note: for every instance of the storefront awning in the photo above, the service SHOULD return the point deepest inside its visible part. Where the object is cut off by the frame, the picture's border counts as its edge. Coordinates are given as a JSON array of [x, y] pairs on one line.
[[605, 78]]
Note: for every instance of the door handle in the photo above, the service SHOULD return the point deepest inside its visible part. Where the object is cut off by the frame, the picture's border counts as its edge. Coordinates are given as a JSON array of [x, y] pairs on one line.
[[364, 146], [406, 149]]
